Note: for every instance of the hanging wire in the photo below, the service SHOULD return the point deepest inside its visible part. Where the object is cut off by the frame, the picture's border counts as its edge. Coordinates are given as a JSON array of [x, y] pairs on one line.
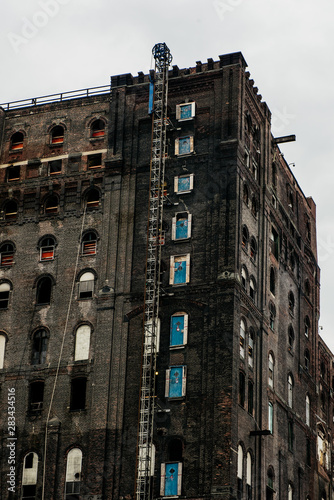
[[61, 351]]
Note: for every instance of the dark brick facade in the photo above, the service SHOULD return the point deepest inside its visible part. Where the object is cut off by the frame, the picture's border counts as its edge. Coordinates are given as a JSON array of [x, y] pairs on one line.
[[251, 261]]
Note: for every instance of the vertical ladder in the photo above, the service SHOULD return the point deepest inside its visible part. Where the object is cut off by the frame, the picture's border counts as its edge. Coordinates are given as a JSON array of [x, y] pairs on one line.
[[145, 459]]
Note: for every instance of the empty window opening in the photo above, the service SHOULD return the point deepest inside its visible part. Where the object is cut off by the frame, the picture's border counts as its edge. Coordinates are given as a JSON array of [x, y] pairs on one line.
[[246, 194], [89, 243], [98, 128], [307, 288], [78, 394], [55, 167], [308, 230], [250, 397], [36, 397], [254, 207], [290, 435], [274, 243], [51, 205], [244, 277], [43, 295], [252, 289], [10, 210], [175, 450], [245, 237], [82, 342], [13, 173], [47, 248], [86, 285], [291, 337], [7, 251], [291, 300], [307, 359], [16, 141], [39, 347], [93, 198], [272, 280], [4, 295], [57, 135], [270, 484], [94, 161], [242, 389], [272, 315], [253, 248], [73, 474]]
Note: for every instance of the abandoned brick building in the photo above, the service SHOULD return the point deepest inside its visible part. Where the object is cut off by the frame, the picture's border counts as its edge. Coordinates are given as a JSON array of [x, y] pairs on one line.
[[244, 403]]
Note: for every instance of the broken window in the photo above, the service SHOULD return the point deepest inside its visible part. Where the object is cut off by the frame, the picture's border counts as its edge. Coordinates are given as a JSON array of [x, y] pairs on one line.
[[185, 111], [78, 394], [10, 210], [183, 183], [94, 161], [181, 226], [253, 248], [47, 248], [55, 167], [39, 347], [307, 359], [93, 198], [86, 285], [82, 342], [175, 382], [36, 397], [57, 135], [246, 194], [179, 270], [43, 295], [73, 474], [7, 251], [4, 295], [16, 141], [89, 243], [13, 173], [252, 289], [291, 436], [184, 145], [244, 277], [272, 315], [51, 204], [97, 128], [178, 329], [291, 337], [29, 476]]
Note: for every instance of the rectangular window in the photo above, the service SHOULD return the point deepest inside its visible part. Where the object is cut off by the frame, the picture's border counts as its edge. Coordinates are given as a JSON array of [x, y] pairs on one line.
[[270, 417], [94, 161], [290, 435], [6, 258], [250, 397], [47, 253], [13, 173], [178, 329], [185, 111], [179, 270], [55, 167], [78, 394], [183, 183], [89, 247], [176, 382], [274, 243], [184, 145], [181, 226], [171, 479]]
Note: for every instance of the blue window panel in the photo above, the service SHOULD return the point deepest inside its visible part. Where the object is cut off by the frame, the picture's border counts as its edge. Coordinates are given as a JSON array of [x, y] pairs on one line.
[[180, 272], [184, 145], [175, 382], [177, 330], [185, 112], [181, 228], [171, 479], [184, 183]]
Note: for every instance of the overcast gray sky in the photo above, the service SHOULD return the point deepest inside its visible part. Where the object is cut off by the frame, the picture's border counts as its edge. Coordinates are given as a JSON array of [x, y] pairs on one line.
[[50, 46]]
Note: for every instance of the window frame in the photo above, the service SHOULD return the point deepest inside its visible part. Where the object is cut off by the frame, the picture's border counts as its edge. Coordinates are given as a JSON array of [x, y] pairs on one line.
[[176, 183], [57, 140], [183, 384], [97, 133], [86, 289], [179, 107], [17, 145], [7, 256], [188, 220], [89, 243], [185, 317], [163, 476], [5, 293], [175, 259], [179, 145]]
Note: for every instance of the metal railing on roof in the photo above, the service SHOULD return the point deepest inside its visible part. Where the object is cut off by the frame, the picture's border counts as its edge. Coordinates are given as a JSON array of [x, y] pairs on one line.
[[64, 96]]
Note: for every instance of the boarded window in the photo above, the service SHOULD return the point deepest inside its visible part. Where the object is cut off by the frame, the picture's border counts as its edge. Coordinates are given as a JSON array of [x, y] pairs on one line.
[[181, 226], [86, 286], [39, 347], [7, 254], [4, 295], [57, 135], [89, 243], [185, 111], [179, 270], [82, 342], [176, 382], [184, 145], [73, 473], [97, 128], [78, 394], [171, 479], [183, 183], [178, 329]]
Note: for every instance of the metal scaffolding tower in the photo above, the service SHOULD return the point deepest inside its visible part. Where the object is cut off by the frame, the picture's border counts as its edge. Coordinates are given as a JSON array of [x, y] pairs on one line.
[[145, 458]]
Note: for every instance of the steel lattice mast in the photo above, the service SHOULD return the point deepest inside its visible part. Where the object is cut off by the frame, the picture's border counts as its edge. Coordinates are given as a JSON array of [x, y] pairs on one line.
[[162, 58]]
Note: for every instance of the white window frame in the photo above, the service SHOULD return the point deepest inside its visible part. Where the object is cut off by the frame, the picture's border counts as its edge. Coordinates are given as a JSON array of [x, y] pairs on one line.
[[176, 183], [240, 468], [163, 478], [249, 467], [179, 258], [184, 381], [270, 417], [185, 328], [180, 106], [242, 335], [29, 476], [174, 220], [88, 286], [2, 350], [177, 145]]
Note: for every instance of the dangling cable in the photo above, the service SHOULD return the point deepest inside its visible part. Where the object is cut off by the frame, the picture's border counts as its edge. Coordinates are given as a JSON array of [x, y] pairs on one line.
[[61, 352]]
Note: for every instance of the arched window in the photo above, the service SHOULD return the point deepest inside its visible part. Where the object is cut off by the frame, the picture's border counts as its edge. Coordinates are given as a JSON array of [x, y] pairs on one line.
[[240, 469], [4, 295], [307, 410], [2, 349], [73, 473], [246, 194], [86, 285], [47, 248], [253, 248], [29, 476], [290, 390], [252, 289], [291, 300], [39, 347], [249, 475], [290, 492], [10, 210], [254, 206], [244, 277], [43, 294], [307, 359], [245, 237], [270, 484], [93, 198], [307, 326], [307, 288], [291, 337], [251, 347], [270, 417], [272, 280], [272, 315], [51, 205], [57, 135], [16, 141], [7, 251], [97, 128], [242, 338], [271, 370], [82, 342], [89, 243]]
